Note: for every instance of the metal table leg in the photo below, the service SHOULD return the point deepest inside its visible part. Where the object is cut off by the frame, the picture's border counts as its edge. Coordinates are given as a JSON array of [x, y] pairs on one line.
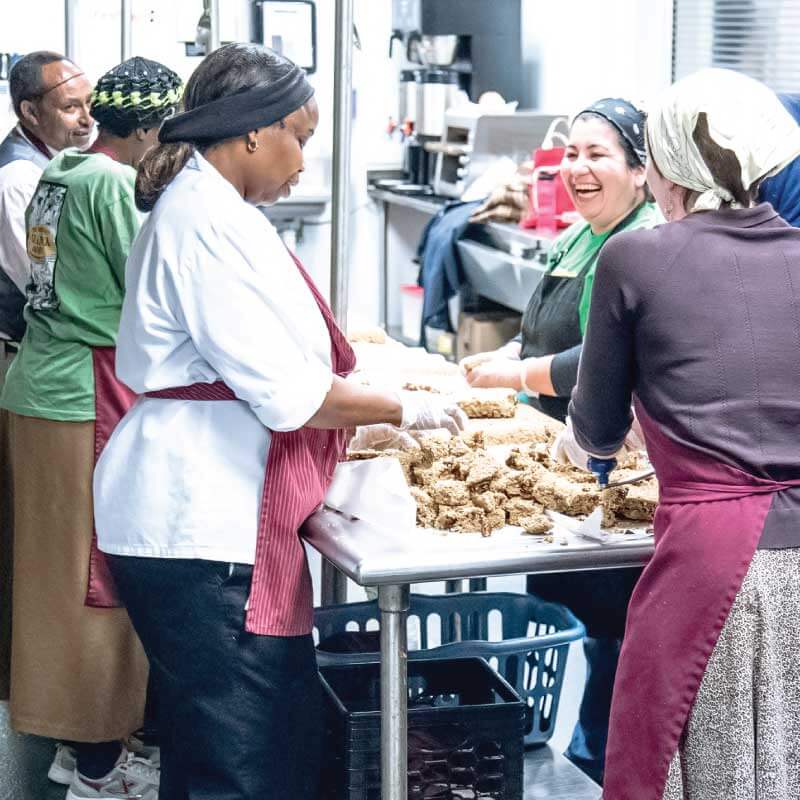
[[393, 603], [333, 587]]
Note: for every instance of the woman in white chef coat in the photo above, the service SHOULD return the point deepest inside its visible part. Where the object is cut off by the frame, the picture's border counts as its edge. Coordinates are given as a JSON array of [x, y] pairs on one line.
[[201, 491]]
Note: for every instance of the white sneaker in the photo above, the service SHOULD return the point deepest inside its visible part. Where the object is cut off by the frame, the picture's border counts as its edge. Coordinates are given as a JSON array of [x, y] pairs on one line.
[[150, 752], [63, 765], [133, 778]]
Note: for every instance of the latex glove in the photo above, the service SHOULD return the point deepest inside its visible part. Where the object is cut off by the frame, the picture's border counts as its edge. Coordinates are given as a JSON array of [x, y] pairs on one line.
[[509, 351], [498, 372], [422, 411], [382, 436], [566, 450], [635, 438], [470, 362]]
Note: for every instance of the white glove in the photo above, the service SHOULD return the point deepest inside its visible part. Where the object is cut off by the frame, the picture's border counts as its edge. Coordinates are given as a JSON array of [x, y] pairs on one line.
[[382, 436], [510, 350], [566, 450], [470, 362], [635, 438], [423, 411]]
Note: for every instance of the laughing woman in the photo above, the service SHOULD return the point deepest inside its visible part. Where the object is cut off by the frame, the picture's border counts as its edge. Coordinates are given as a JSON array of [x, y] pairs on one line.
[[603, 170], [697, 322]]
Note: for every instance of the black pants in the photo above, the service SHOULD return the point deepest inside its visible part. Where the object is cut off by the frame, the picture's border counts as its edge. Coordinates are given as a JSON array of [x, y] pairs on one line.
[[239, 714]]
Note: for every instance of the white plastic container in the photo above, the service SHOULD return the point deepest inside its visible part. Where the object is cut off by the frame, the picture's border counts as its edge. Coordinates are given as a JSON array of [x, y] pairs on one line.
[[411, 299]]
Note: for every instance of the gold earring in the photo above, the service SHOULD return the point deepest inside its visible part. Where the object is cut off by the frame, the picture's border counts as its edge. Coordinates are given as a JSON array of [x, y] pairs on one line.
[[252, 145]]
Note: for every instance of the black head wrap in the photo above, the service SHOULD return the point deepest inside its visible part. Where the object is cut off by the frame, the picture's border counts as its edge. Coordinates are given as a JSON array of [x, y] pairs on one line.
[[239, 113], [136, 94], [626, 118]]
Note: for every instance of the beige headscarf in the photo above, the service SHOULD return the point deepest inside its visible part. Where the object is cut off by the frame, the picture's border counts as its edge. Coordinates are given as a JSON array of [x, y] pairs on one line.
[[743, 115]]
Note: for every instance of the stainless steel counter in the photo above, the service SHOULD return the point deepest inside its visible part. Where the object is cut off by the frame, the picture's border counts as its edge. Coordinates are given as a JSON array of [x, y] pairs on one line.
[[502, 261], [393, 559], [516, 239], [373, 557]]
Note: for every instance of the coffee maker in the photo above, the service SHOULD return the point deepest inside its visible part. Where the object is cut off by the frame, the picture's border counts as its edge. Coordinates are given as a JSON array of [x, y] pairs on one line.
[[451, 48], [479, 39]]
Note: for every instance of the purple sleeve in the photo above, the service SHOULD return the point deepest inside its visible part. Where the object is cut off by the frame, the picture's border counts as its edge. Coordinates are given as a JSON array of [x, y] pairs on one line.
[[601, 403]]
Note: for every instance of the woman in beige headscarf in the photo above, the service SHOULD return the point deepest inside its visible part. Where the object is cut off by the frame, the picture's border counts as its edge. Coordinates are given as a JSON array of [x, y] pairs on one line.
[[698, 321]]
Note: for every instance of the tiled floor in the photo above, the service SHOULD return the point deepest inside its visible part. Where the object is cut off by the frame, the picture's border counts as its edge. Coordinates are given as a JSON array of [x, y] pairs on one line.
[[24, 761]]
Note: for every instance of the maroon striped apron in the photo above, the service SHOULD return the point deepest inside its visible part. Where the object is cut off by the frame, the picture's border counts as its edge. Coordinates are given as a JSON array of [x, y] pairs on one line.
[[299, 469], [707, 526], [112, 399]]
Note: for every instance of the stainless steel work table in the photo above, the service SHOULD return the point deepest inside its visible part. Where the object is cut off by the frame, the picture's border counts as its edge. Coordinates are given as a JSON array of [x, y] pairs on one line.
[[392, 560]]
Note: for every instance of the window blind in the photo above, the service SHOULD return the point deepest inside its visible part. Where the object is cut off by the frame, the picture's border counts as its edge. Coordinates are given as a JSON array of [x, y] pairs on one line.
[[758, 37]]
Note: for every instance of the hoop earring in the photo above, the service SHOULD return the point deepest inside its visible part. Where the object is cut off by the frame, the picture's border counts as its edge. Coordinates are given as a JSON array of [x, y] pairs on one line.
[[252, 146]]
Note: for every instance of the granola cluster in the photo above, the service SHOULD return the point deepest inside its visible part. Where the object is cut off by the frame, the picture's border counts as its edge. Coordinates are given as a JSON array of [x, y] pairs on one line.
[[459, 486]]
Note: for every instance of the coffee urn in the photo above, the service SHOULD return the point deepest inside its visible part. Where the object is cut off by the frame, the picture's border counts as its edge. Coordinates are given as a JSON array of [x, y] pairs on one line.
[[437, 90], [407, 101]]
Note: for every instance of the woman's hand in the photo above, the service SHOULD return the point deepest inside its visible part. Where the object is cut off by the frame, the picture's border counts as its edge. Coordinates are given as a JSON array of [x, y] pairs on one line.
[[531, 375], [422, 411], [382, 436], [348, 405], [471, 362], [507, 351], [497, 372], [566, 450]]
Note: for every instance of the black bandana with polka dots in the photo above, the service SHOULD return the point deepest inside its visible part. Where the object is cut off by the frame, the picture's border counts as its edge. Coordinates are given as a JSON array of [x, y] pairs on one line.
[[626, 118]]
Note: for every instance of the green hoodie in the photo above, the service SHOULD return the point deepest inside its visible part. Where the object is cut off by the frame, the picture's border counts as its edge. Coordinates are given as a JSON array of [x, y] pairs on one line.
[[81, 223]]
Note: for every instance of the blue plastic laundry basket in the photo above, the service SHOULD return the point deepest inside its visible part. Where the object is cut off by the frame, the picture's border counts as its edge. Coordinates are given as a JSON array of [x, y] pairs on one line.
[[531, 653]]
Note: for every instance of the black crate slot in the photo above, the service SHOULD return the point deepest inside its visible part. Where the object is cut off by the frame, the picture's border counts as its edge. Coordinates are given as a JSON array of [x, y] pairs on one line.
[[465, 738]]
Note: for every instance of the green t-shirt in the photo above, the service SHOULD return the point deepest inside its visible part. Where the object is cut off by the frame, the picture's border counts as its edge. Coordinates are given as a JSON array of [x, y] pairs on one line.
[[80, 226], [578, 247]]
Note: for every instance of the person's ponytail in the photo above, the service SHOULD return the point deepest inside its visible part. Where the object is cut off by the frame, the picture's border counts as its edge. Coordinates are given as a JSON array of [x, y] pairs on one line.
[[156, 171]]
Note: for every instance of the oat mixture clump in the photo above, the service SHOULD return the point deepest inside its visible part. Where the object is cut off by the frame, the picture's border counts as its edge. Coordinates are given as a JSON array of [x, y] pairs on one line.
[[459, 485]]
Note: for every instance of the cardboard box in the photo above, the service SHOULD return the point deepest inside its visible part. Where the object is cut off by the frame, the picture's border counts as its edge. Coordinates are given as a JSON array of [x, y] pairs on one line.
[[485, 330]]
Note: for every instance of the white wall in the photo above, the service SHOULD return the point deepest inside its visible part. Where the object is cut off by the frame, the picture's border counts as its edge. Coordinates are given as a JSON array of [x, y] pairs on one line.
[[591, 49], [573, 53]]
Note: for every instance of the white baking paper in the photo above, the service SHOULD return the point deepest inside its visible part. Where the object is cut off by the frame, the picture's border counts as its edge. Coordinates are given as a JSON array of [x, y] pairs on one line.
[[374, 491]]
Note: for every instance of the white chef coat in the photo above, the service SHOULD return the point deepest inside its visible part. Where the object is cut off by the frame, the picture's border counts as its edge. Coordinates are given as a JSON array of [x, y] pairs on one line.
[[211, 294]]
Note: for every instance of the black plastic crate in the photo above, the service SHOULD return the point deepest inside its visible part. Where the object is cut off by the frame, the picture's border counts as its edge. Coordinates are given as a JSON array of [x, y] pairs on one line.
[[531, 653], [465, 732]]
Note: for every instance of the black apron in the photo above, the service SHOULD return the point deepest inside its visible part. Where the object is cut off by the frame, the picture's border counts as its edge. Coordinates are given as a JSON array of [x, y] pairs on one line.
[[551, 324]]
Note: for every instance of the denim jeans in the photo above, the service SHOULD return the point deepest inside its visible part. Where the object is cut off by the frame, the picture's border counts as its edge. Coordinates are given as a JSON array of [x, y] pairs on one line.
[[239, 713]]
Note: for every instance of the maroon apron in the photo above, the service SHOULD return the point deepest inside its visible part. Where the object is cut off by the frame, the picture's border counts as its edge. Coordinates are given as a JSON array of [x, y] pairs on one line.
[[299, 469], [112, 399], [707, 526]]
